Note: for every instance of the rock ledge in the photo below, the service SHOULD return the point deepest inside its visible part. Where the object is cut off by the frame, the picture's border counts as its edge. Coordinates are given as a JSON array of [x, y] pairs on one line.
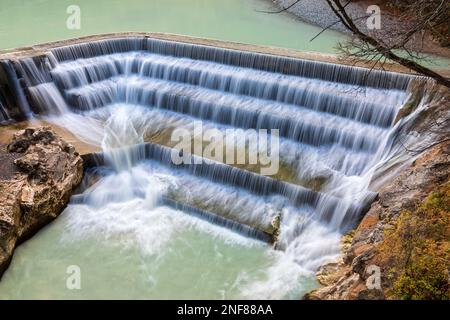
[[38, 171]]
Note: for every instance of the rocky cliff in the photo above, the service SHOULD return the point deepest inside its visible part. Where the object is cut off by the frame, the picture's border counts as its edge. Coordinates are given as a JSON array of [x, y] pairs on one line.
[[38, 171], [400, 249]]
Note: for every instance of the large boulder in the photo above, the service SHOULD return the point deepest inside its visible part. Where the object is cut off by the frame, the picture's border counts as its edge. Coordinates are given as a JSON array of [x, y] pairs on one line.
[[38, 171]]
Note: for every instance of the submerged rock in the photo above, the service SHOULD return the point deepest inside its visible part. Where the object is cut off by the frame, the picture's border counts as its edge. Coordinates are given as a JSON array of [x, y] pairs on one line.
[[39, 170]]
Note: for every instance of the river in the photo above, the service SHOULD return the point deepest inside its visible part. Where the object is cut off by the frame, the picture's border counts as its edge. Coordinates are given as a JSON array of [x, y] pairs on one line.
[[24, 23], [125, 244]]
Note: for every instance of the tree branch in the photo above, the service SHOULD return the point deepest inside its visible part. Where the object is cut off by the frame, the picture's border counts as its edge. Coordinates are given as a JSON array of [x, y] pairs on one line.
[[282, 10], [380, 47]]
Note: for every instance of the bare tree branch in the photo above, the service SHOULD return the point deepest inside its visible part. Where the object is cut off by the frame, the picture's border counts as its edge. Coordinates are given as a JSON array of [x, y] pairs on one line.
[[281, 10], [380, 47]]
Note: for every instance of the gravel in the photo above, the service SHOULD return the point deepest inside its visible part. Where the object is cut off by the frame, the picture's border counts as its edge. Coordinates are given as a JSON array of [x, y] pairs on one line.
[[318, 12]]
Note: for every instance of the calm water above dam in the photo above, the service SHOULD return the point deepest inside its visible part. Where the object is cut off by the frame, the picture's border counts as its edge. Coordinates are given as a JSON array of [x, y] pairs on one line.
[[24, 23], [30, 22]]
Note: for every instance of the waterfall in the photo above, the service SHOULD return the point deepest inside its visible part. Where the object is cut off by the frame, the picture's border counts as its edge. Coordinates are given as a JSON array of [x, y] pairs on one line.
[[334, 124], [4, 114], [271, 63]]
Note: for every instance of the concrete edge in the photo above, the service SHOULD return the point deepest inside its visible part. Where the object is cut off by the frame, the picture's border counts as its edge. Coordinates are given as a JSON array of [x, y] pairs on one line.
[[43, 48]]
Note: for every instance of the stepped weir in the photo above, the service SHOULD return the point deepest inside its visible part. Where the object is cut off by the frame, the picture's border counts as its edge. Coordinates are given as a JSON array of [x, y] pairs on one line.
[[127, 95]]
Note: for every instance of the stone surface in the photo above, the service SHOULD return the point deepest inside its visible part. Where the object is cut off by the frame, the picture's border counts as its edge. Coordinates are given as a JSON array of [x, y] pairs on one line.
[[39, 172]]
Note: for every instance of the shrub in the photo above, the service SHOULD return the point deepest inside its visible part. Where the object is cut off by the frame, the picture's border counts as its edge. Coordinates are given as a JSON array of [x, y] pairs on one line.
[[417, 249]]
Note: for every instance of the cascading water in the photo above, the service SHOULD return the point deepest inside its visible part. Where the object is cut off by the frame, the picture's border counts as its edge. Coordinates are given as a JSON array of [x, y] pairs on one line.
[[4, 114], [129, 95]]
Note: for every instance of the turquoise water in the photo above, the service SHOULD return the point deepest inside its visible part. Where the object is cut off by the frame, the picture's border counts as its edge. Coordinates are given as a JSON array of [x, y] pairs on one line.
[[28, 22], [129, 248], [25, 23]]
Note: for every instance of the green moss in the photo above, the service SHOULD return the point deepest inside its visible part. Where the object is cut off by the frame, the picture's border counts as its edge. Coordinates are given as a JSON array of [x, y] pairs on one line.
[[417, 250], [425, 276]]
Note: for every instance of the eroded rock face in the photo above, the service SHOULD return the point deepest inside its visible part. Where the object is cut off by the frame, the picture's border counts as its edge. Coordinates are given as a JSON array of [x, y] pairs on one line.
[[351, 276], [39, 170], [348, 277]]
